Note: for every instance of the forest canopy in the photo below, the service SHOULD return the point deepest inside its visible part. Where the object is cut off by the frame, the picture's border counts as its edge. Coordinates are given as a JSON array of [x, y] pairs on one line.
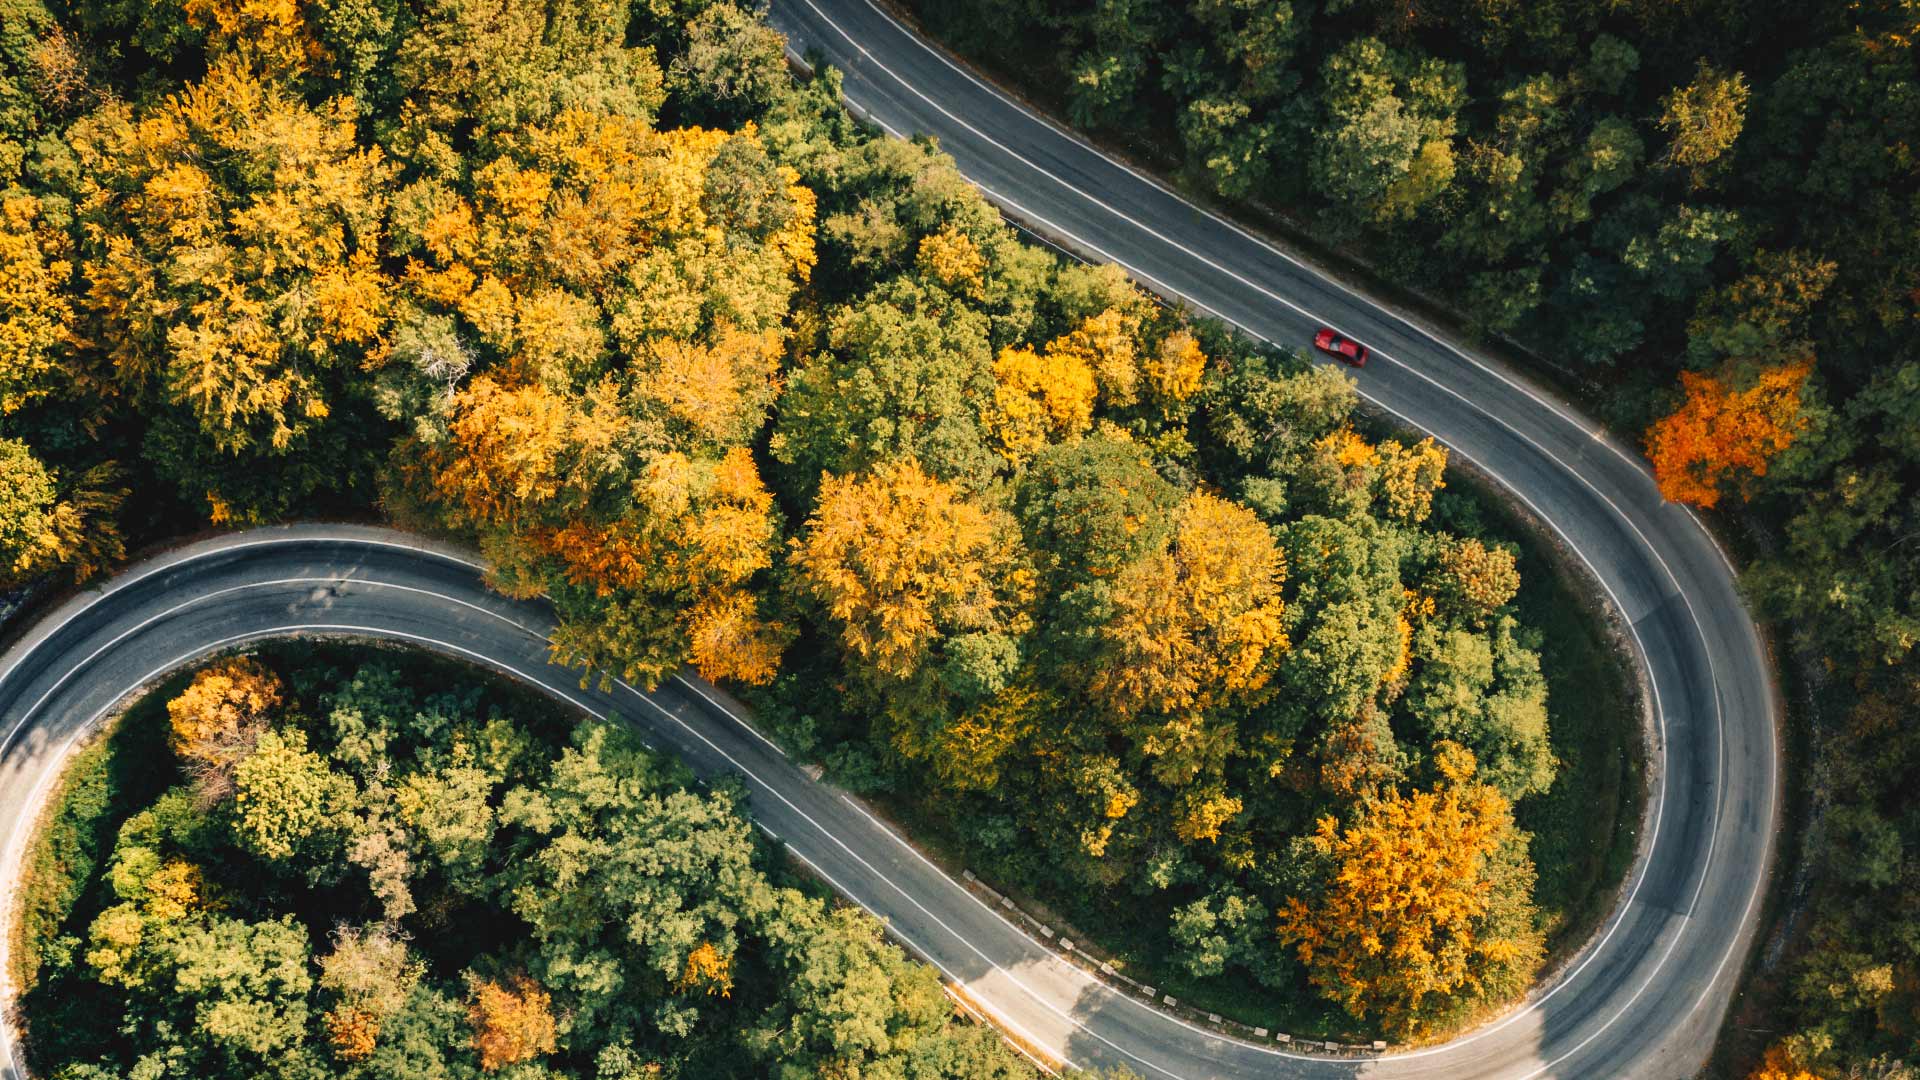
[[1702, 217], [1144, 608], [347, 862]]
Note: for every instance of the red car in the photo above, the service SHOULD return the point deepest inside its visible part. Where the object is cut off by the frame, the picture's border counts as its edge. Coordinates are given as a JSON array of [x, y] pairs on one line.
[[1344, 348]]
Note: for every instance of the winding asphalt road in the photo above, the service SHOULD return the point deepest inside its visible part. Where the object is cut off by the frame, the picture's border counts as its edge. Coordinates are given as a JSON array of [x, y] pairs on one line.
[[1644, 1000], [1648, 996]]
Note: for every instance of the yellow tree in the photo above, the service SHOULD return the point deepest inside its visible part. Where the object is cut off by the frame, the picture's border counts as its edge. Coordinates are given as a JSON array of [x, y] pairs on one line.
[[1201, 812], [232, 254], [1108, 345], [968, 751], [45, 524], [1039, 399], [1173, 372], [514, 451], [36, 317], [1704, 118], [1198, 622], [1418, 906], [1399, 480], [155, 895], [27, 495], [1474, 580], [1779, 1063], [1409, 475], [222, 703], [235, 290], [671, 574], [655, 235], [708, 971], [271, 35], [629, 287], [952, 258], [730, 638], [1344, 469], [720, 391], [899, 560]]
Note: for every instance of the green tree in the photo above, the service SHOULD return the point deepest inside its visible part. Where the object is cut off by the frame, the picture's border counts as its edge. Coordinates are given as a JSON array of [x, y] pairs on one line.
[[1235, 150], [1385, 147], [450, 813], [1089, 509], [286, 799], [1344, 619], [1485, 692], [1764, 316], [1267, 412], [1673, 257], [1228, 928], [905, 375], [857, 1005], [246, 983], [1107, 76], [734, 65], [1610, 156], [621, 878], [483, 69]]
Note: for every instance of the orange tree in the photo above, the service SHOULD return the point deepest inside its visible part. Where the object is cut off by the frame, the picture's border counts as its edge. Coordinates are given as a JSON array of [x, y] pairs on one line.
[[625, 289], [1721, 434], [1424, 898]]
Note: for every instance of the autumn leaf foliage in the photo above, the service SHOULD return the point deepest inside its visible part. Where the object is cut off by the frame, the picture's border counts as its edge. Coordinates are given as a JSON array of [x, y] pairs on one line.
[[218, 719], [36, 313], [629, 287], [45, 523], [1411, 905], [1779, 1064], [1721, 435], [512, 1022], [1202, 620], [897, 559], [242, 342], [370, 974], [708, 971]]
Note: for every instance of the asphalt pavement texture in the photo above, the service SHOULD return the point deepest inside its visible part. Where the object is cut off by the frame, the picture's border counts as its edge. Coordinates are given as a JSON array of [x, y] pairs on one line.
[[1647, 996], [1644, 999]]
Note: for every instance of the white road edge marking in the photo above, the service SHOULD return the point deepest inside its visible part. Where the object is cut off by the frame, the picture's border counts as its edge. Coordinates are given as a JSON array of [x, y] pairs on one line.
[[728, 713], [171, 560], [1429, 333], [6, 1042], [1640, 468], [182, 559]]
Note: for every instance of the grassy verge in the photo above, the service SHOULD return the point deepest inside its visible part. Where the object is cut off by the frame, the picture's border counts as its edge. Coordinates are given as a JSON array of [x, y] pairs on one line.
[[1585, 828], [105, 782], [1120, 928]]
